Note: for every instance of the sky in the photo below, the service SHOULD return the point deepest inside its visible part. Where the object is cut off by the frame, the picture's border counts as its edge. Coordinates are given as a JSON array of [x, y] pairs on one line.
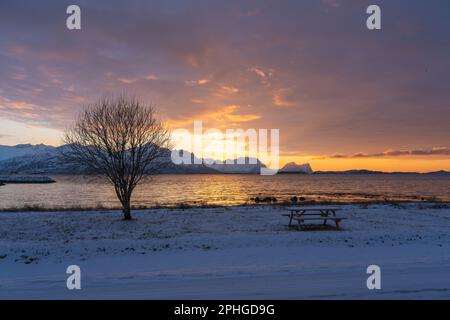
[[342, 96]]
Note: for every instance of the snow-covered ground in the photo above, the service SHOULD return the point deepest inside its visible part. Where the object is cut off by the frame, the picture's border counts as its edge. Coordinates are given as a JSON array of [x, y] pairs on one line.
[[230, 253]]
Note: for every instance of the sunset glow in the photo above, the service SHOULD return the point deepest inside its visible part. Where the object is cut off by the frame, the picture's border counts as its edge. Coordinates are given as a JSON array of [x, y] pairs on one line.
[[328, 84]]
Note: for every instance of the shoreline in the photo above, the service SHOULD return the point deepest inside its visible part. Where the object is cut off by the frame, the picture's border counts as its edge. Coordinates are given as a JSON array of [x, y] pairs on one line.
[[25, 179], [183, 206]]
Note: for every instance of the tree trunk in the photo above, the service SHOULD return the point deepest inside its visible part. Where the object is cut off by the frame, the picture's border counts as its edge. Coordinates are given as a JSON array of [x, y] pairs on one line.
[[126, 210]]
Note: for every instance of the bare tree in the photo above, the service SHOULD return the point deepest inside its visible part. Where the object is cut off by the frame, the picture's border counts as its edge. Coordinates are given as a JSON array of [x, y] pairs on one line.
[[119, 138]]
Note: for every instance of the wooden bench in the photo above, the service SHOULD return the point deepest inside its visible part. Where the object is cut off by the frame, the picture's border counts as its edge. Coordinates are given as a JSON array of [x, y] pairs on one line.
[[304, 214]]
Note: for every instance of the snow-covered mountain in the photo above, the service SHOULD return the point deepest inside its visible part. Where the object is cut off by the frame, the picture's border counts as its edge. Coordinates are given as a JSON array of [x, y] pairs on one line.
[[240, 165], [41, 159], [7, 152], [292, 167]]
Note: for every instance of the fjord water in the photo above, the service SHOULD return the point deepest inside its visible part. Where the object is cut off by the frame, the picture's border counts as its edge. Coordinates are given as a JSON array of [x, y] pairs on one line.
[[230, 189]]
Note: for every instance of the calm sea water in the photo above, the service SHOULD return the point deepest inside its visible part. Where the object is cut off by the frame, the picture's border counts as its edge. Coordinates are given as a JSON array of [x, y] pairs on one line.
[[169, 190]]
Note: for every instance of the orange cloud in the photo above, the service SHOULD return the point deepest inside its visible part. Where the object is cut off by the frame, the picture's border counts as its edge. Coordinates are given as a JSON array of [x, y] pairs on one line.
[[197, 82], [395, 153], [242, 117], [229, 90], [280, 99], [219, 117], [281, 102], [22, 106], [16, 105]]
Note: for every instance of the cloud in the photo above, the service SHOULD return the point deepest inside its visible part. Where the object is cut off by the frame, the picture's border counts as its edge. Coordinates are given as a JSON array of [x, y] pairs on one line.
[[309, 67], [229, 89], [20, 105], [127, 80], [396, 153], [222, 117], [152, 77], [242, 117], [283, 98], [199, 82], [258, 71]]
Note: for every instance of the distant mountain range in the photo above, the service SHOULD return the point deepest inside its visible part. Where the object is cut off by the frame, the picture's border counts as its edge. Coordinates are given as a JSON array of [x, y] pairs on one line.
[[8, 152], [292, 167], [363, 171], [44, 159]]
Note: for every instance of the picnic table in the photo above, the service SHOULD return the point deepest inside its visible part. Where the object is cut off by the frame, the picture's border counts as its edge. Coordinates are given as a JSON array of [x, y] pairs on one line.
[[305, 214]]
